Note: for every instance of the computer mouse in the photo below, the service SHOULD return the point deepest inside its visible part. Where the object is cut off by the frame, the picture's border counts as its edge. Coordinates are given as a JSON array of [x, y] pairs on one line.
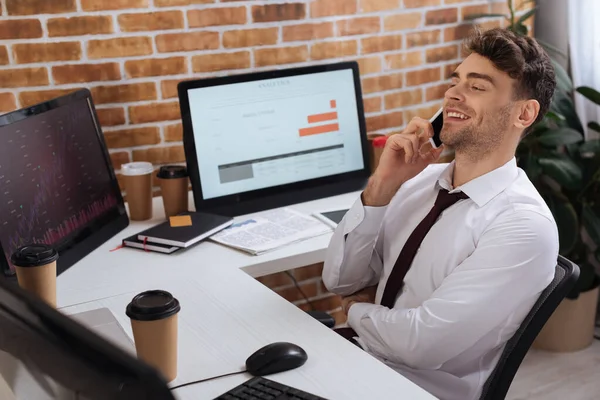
[[276, 357]]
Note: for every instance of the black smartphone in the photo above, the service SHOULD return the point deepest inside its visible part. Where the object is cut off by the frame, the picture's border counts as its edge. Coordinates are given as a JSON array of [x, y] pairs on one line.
[[437, 121]]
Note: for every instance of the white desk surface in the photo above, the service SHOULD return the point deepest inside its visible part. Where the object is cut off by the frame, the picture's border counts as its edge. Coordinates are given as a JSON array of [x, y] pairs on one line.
[[226, 315], [104, 273]]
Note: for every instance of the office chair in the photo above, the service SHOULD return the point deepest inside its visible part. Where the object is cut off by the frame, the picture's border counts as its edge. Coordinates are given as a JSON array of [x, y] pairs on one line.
[[499, 381]]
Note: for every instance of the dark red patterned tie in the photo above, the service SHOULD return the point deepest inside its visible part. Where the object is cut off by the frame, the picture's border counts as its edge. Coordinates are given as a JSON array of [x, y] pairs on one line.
[[407, 255]]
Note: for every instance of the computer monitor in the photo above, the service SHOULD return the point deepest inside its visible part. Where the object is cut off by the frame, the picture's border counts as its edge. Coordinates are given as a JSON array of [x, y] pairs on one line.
[[267, 139], [56, 347], [57, 183]]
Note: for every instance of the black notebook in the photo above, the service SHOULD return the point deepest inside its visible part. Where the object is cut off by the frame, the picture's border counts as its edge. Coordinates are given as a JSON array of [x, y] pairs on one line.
[[133, 241], [186, 229]]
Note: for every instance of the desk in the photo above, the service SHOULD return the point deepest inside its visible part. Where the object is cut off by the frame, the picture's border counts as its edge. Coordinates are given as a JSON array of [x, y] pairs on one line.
[[104, 273]]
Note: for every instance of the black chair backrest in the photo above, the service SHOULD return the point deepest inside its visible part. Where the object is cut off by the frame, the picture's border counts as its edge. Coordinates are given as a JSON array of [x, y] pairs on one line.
[[498, 383]]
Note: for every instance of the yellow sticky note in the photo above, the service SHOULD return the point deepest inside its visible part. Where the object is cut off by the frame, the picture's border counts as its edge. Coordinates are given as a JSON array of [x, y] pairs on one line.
[[180, 220]]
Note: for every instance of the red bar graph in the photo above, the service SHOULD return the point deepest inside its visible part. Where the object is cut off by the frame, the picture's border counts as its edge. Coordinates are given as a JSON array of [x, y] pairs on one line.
[[315, 130], [321, 117], [329, 116]]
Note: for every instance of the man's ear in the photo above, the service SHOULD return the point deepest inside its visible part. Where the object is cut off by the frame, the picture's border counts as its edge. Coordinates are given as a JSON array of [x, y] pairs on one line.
[[528, 112]]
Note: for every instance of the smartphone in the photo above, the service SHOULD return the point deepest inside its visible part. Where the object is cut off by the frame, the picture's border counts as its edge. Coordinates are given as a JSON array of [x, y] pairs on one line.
[[331, 217], [437, 121]]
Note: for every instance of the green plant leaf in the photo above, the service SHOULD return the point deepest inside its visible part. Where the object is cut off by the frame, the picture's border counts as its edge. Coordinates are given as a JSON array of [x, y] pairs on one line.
[[492, 15], [594, 126], [563, 105], [551, 49], [587, 278], [563, 81], [590, 94], [519, 29], [563, 170], [559, 137], [566, 221], [526, 15], [591, 222], [555, 116], [591, 146]]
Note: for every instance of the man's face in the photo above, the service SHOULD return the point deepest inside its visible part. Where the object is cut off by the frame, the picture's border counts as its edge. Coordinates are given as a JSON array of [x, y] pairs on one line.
[[478, 106]]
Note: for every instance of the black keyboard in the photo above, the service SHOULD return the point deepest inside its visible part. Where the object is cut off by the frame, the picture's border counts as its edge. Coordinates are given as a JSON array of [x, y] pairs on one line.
[[260, 388]]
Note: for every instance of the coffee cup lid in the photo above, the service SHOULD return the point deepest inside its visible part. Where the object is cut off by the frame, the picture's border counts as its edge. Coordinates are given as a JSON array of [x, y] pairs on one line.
[[137, 168], [172, 172], [34, 255], [152, 305]]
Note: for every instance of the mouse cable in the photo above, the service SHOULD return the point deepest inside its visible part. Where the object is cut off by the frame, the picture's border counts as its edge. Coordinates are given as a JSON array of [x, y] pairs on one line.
[[310, 304], [208, 379]]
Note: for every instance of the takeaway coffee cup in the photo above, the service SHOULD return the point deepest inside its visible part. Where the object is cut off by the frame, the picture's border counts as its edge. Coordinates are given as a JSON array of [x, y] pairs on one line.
[[138, 185], [35, 265], [174, 186], [153, 317]]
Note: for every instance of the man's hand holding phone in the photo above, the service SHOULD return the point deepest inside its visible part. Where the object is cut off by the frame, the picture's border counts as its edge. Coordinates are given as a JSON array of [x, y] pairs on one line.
[[405, 155]]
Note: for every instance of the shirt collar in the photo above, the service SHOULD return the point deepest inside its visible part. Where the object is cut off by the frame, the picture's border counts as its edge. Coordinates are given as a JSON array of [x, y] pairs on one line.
[[484, 188]]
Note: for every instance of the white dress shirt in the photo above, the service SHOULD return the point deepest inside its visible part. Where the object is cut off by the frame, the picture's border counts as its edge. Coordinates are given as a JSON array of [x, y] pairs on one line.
[[475, 277]]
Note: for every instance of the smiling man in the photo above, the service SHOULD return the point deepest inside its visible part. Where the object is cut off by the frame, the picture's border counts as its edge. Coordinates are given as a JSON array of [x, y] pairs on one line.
[[440, 263]]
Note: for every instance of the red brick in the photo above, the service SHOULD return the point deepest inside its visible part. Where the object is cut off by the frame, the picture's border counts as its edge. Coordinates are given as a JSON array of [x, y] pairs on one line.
[[499, 7], [403, 60], [384, 121], [78, 73], [154, 112], [20, 29], [217, 16], [152, 21], [457, 32], [293, 33], [7, 102], [378, 44], [3, 55], [37, 7], [418, 39], [369, 65], [111, 116], [444, 53], [467, 11], [381, 83], [378, 5], [15, 78], [30, 98], [400, 22], [118, 159], [423, 112], [169, 88], [173, 133], [308, 272], [132, 137], [250, 37], [187, 41], [124, 93], [160, 155], [358, 26], [77, 26], [280, 55], [275, 280], [403, 99], [441, 16], [323, 50], [221, 61], [98, 5], [120, 47], [436, 92], [156, 67], [449, 69], [329, 8], [43, 52], [421, 3], [419, 77], [292, 294], [171, 3], [372, 104], [278, 12]]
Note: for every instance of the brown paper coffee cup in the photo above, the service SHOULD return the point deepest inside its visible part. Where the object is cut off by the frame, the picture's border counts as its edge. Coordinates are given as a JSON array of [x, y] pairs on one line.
[[35, 266], [174, 187], [153, 317], [138, 186]]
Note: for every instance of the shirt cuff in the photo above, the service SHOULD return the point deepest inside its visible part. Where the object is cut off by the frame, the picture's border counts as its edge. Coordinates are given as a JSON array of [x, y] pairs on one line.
[[357, 312], [364, 219]]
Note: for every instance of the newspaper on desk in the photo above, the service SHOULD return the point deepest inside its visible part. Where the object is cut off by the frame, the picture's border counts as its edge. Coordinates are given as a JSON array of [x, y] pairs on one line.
[[271, 230]]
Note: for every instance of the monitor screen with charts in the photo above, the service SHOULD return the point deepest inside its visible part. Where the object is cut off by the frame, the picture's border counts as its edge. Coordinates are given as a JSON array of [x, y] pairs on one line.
[[261, 137], [57, 185]]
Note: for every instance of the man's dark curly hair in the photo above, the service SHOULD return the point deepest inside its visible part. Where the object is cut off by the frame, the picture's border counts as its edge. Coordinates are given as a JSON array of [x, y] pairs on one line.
[[522, 58]]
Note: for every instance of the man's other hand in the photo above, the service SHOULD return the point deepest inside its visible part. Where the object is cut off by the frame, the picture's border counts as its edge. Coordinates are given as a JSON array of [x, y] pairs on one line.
[[366, 295]]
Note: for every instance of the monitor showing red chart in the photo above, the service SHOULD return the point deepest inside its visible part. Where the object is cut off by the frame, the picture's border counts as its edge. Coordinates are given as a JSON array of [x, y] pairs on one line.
[[271, 132]]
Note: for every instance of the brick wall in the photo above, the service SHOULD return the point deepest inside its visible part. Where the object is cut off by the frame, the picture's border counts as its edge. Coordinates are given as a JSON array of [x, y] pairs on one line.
[[132, 53]]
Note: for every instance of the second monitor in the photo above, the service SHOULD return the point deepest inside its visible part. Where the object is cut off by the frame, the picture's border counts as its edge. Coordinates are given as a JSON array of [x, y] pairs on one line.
[[268, 139]]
